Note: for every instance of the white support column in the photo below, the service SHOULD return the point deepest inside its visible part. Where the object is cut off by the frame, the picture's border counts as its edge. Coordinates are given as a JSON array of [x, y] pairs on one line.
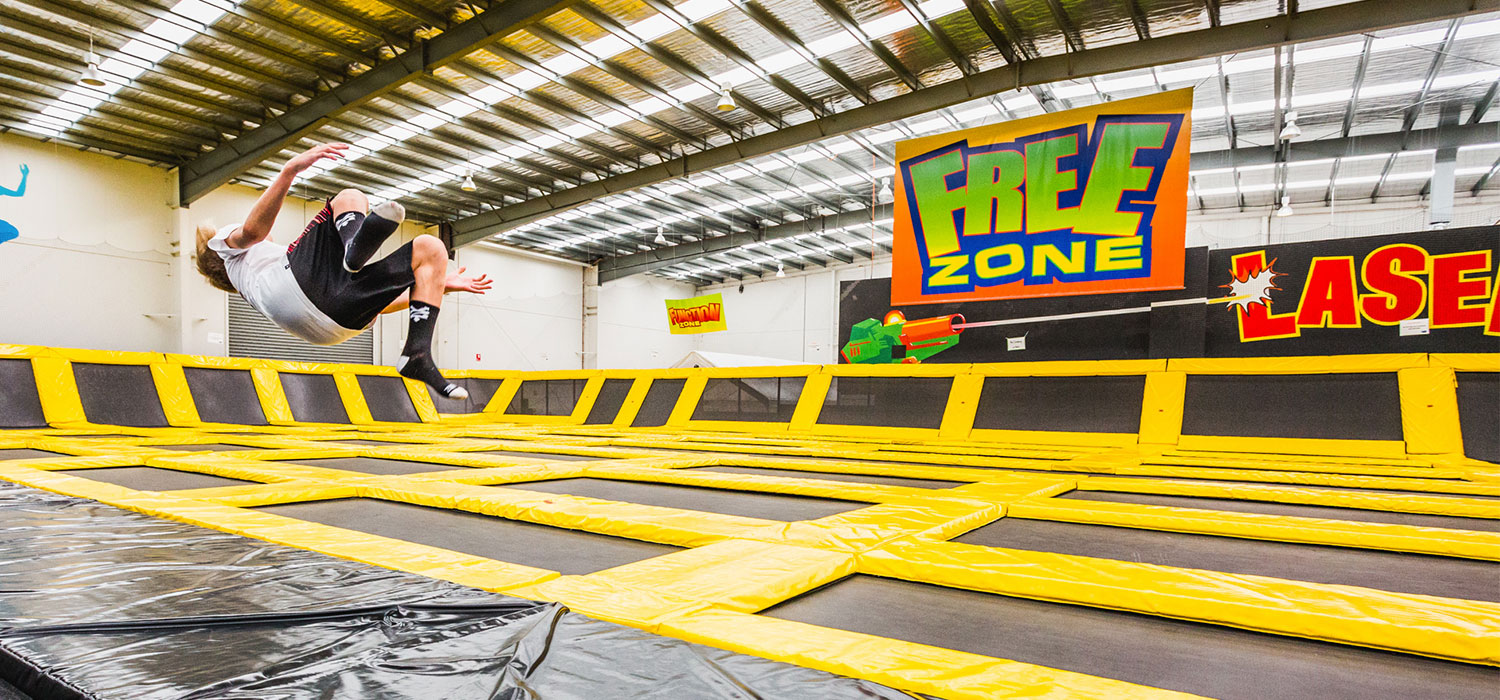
[[589, 353], [202, 314]]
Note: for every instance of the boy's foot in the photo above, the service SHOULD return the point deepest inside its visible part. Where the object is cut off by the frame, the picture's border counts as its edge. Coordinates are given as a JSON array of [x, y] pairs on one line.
[[422, 369]]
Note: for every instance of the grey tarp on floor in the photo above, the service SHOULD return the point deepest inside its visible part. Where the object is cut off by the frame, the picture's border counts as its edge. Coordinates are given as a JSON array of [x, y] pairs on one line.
[[99, 602]]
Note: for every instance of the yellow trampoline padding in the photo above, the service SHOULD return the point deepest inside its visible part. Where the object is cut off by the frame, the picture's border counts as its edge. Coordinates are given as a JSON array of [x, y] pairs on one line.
[[1053, 437], [176, 399], [1414, 503], [76, 462], [1294, 446], [642, 608], [108, 357], [57, 391], [1460, 630], [866, 528], [353, 397], [1259, 526], [1162, 406], [1433, 481], [1429, 410], [1067, 368], [1306, 364], [741, 575], [917, 668], [256, 495], [273, 401], [1467, 361], [672, 526]]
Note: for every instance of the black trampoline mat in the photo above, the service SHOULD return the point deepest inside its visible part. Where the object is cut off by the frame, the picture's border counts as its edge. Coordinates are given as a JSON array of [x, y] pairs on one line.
[[570, 552], [607, 404], [1326, 512], [225, 395], [542, 455], [213, 446], [1388, 571], [387, 399], [154, 479], [29, 454], [119, 395], [1217, 662], [20, 406], [373, 465], [839, 476], [314, 398], [749, 504]]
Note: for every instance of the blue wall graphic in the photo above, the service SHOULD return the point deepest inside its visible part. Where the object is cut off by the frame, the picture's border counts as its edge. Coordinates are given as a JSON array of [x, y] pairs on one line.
[[7, 229]]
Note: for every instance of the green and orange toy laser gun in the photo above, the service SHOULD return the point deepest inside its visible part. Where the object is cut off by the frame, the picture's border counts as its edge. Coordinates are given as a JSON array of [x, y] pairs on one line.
[[899, 340]]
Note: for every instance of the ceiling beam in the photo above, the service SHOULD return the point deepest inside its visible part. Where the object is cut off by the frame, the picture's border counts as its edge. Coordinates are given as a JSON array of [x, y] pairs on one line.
[[1456, 136], [648, 260], [218, 166], [1312, 25]]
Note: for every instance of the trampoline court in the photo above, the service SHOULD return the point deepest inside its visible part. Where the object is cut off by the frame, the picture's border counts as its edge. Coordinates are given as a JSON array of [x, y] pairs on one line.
[[1004, 537]]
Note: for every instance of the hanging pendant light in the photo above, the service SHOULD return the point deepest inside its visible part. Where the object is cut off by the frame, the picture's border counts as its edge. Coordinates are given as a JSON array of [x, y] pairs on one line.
[[780, 270], [1291, 130], [661, 238], [92, 77], [1286, 206], [885, 194], [468, 183], [726, 100]]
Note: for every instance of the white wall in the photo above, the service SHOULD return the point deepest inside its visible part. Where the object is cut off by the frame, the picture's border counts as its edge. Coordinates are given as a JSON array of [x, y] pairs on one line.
[[104, 261], [94, 255], [532, 319], [633, 323], [790, 318]]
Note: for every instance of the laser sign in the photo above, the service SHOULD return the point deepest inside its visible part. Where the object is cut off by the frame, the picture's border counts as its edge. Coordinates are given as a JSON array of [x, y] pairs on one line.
[[1087, 201]]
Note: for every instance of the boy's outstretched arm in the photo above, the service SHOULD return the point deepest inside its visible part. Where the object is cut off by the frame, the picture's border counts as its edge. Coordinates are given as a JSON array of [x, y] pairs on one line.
[[456, 282], [262, 216]]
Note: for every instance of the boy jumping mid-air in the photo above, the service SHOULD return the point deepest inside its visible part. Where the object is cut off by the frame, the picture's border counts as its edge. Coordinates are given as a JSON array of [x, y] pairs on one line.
[[323, 287]]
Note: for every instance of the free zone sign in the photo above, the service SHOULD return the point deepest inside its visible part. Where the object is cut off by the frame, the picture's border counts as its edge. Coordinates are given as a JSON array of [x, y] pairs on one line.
[[1087, 201]]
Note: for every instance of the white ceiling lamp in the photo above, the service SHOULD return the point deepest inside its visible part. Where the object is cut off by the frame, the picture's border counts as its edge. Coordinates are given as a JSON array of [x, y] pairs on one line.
[[726, 100], [780, 270], [1286, 206], [1291, 130], [661, 238], [885, 194], [468, 183], [91, 76]]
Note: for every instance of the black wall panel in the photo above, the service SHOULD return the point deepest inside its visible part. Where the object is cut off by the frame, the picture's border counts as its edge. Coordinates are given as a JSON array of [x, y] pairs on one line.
[[1340, 406], [1081, 404]]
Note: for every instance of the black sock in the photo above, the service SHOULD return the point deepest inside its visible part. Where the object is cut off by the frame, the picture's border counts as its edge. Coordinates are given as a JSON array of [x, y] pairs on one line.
[[347, 224], [383, 221], [416, 358]]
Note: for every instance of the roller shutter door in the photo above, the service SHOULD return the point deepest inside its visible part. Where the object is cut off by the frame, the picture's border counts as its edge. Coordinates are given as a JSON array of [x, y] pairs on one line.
[[253, 335]]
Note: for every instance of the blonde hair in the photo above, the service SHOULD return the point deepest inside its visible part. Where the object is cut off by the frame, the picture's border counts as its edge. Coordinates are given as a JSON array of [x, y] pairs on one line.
[[210, 265]]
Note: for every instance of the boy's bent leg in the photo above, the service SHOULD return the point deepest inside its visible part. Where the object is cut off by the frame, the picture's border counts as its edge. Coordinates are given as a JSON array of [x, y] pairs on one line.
[[429, 266], [373, 231], [348, 208]]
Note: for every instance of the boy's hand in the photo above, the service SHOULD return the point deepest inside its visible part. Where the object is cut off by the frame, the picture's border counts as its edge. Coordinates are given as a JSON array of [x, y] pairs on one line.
[[459, 282], [303, 161]]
